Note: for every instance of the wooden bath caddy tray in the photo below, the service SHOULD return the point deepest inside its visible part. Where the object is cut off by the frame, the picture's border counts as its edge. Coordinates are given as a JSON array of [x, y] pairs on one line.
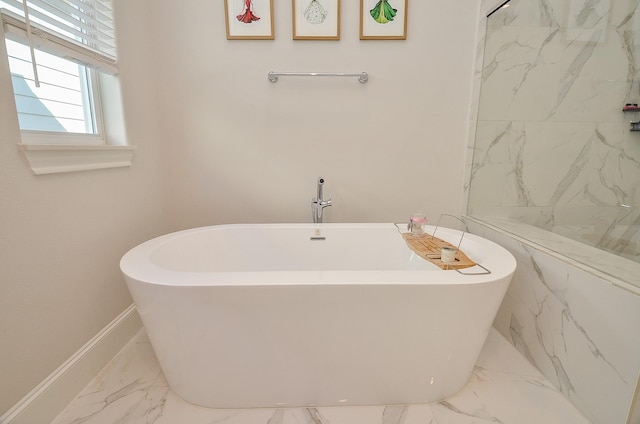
[[428, 247]]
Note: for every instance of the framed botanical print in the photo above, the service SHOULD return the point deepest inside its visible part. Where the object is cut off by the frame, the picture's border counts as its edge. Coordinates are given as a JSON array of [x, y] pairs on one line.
[[249, 19], [383, 19], [316, 19]]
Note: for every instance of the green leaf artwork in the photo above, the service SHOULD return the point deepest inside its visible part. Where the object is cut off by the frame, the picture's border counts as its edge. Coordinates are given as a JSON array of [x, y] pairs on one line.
[[383, 12]]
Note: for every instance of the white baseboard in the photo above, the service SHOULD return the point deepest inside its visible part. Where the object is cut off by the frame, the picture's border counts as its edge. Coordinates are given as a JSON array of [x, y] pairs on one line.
[[50, 397]]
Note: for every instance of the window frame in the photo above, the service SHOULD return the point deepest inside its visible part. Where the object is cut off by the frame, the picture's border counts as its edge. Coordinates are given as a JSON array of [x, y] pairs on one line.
[[47, 152], [92, 110]]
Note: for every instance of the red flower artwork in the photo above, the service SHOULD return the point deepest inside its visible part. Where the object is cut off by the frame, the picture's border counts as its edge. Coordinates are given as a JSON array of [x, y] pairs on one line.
[[247, 15]]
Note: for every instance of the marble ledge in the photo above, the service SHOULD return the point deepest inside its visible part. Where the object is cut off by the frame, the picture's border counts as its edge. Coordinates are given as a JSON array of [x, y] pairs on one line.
[[504, 388], [614, 269]]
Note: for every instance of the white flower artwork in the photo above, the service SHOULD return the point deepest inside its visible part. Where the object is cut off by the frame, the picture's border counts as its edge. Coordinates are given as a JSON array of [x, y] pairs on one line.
[[315, 13]]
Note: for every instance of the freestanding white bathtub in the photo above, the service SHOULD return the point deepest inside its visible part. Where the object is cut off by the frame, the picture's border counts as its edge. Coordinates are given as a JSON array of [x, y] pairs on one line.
[[276, 315]]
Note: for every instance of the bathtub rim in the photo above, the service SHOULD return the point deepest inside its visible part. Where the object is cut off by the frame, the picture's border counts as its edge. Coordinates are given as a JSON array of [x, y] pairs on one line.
[[137, 265]]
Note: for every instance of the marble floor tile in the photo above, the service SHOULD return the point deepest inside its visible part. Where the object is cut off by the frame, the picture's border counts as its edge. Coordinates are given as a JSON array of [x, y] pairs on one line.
[[504, 388]]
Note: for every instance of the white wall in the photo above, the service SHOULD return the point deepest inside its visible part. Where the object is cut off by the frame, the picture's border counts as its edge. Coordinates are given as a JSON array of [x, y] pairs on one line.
[[239, 149], [61, 236], [242, 149]]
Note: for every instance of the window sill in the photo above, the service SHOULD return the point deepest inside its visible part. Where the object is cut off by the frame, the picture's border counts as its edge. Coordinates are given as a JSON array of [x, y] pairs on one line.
[[55, 158]]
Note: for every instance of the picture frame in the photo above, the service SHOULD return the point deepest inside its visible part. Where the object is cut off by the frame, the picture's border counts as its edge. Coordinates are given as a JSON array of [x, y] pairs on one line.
[[316, 19], [383, 19], [249, 19]]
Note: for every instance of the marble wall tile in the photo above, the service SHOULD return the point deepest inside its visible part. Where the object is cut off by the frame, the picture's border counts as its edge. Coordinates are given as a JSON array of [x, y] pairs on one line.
[[574, 327], [550, 130], [558, 164], [568, 13], [553, 149], [540, 74], [542, 13]]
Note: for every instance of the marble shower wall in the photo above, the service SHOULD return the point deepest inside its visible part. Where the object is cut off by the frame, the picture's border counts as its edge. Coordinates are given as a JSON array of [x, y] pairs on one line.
[[552, 145], [578, 329]]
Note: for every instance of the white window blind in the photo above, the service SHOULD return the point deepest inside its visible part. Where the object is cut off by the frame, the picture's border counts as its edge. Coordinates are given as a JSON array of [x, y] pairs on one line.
[[79, 30]]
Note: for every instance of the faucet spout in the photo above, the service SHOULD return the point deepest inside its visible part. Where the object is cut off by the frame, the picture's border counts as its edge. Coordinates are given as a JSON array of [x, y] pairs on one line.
[[318, 203], [320, 184]]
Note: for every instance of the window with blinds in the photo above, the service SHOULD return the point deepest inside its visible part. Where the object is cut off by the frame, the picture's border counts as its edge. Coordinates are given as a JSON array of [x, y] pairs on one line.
[[64, 100], [56, 51]]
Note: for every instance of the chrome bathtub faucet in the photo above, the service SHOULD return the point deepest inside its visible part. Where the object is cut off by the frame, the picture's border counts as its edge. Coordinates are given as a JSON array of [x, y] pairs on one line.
[[318, 203]]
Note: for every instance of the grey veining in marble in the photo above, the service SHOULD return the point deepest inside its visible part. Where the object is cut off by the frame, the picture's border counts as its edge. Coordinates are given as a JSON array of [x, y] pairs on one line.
[[552, 146], [554, 163], [504, 388], [574, 326]]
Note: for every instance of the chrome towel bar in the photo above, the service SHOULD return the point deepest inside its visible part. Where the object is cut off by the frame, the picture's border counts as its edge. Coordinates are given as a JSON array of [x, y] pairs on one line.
[[363, 77]]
